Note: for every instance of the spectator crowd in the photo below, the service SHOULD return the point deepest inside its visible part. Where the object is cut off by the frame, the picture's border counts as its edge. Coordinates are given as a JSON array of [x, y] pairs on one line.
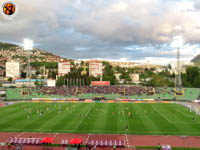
[[74, 90]]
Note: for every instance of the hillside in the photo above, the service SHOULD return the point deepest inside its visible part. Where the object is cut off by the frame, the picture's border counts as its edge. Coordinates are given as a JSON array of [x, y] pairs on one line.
[[196, 59], [6, 46], [15, 52]]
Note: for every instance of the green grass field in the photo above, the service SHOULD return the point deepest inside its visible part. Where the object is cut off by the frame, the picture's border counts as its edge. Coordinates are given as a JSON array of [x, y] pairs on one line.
[[156, 119]]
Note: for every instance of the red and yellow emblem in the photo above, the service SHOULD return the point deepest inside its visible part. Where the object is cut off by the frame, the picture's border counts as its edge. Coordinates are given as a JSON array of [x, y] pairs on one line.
[[9, 8]]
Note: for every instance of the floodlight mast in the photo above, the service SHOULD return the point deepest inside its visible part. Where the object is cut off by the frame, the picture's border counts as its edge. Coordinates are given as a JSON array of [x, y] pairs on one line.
[[28, 47], [28, 65], [178, 83]]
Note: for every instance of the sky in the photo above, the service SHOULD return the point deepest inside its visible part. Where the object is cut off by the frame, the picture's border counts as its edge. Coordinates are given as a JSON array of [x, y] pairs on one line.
[[120, 30]]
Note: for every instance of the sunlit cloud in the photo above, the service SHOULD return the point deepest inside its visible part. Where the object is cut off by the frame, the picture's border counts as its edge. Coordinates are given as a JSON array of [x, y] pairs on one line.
[[124, 30]]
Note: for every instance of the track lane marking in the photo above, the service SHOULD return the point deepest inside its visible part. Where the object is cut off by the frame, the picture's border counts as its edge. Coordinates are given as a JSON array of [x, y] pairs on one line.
[[88, 138], [126, 137], [55, 135]]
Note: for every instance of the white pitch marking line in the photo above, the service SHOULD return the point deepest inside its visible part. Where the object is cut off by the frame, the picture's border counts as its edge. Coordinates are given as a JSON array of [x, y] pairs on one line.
[[20, 134], [87, 138], [84, 118], [101, 132], [162, 114], [126, 139], [55, 134]]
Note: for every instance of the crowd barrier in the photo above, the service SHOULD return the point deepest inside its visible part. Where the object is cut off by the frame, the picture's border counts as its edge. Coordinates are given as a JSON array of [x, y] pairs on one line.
[[76, 100]]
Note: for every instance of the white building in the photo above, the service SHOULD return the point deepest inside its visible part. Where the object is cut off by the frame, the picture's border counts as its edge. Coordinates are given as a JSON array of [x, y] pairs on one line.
[[64, 68], [123, 64], [183, 66], [12, 69], [51, 83], [77, 62], [117, 76], [159, 69], [135, 77], [95, 69]]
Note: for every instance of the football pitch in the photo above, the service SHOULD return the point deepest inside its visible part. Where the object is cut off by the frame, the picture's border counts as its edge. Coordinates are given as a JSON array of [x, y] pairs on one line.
[[115, 118]]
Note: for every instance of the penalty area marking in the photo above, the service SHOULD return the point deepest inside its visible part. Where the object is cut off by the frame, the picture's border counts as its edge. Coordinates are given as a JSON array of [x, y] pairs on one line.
[[184, 114], [161, 114]]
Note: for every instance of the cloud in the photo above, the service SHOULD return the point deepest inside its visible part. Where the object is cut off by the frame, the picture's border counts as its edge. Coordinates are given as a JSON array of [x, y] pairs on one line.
[[197, 4], [116, 29]]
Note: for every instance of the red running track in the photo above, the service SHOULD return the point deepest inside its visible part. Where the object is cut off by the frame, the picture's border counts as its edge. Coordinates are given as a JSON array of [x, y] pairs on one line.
[[132, 140]]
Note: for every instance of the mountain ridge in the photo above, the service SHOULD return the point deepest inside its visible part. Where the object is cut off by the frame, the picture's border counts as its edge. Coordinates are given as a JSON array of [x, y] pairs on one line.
[[196, 59]]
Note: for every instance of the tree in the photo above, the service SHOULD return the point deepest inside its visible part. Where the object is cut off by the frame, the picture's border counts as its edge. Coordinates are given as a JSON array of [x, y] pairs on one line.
[[36, 83], [131, 70], [196, 83], [10, 79], [108, 73], [37, 72], [60, 81], [192, 73], [52, 74], [48, 65], [41, 83], [119, 69], [184, 80], [169, 66], [125, 76], [157, 81], [23, 74]]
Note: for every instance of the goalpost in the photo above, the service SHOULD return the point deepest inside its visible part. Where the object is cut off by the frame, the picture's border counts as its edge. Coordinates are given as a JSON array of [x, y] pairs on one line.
[[193, 107]]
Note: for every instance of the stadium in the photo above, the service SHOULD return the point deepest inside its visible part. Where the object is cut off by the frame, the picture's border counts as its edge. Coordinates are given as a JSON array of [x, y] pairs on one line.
[[104, 116], [87, 107], [99, 75]]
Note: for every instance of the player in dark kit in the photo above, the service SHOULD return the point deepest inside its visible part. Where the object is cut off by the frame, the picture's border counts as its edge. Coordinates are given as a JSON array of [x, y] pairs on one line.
[[127, 127]]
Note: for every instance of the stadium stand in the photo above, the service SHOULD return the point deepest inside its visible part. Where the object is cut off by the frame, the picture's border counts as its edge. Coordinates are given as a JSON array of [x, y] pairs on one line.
[[108, 92]]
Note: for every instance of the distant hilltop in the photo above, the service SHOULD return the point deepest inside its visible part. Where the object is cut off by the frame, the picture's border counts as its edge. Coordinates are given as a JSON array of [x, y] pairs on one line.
[[7, 46], [10, 51], [196, 59]]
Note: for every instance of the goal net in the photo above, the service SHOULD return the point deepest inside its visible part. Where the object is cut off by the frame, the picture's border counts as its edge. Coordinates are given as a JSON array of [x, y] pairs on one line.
[[193, 107]]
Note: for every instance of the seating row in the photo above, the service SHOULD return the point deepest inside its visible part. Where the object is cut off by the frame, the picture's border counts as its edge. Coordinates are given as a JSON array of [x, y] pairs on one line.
[[64, 142], [107, 143], [28, 141]]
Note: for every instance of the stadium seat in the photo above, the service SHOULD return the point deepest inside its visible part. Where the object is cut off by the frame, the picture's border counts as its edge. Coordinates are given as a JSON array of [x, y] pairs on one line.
[[64, 142], [166, 147], [15, 141], [101, 143], [24, 142], [106, 143], [20, 141]]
